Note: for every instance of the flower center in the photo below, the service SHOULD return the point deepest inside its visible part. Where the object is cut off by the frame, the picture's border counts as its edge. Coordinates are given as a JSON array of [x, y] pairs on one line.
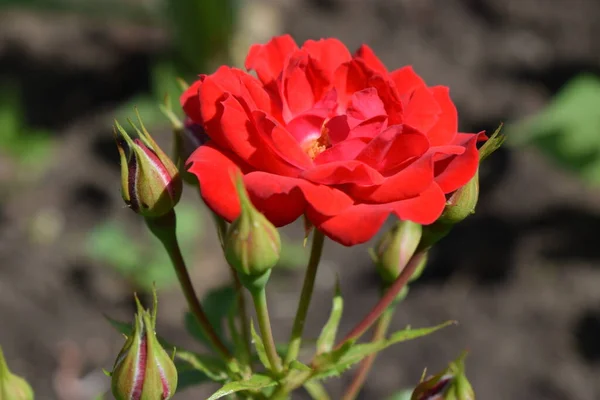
[[316, 146]]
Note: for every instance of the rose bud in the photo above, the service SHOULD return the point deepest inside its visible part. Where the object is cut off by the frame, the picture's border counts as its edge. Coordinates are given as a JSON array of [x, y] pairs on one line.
[[150, 182], [462, 203], [450, 384], [143, 369], [395, 248], [252, 244], [12, 387]]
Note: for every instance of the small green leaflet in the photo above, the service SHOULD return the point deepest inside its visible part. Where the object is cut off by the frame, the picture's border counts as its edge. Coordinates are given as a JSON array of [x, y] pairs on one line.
[[327, 337], [335, 363], [257, 382], [260, 347]]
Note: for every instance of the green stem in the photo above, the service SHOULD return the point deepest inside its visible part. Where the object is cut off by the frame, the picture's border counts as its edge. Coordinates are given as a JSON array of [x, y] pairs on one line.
[[221, 225], [264, 324], [365, 366], [305, 297], [386, 300], [164, 228]]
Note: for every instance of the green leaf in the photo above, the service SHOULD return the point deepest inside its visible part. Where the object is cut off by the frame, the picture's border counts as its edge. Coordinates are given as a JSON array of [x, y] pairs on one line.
[[260, 347], [297, 365], [327, 337], [338, 361], [567, 129], [212, 367], [316, 390], [256, 382], [217, 305]]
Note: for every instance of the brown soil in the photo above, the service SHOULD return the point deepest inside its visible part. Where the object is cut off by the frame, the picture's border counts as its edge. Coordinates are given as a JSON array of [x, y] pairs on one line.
[[521, 276]]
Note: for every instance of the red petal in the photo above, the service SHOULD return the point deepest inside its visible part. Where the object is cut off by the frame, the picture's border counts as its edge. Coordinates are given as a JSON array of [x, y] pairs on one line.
[[355, 75], [279, 198], [359, 223], [302, 85], [389, 95], [190, 101], [365, 104], [424, 209], [349, 78], [228, 123], [355, 225], [393, 147], [329, 53], [444, 130], [343, 151], [406, 81], [280, 141], [455, 171], [271, 193], [369, 57], [214, 169], [325, 200], [268, 59], [406, 184], [340, 172], [422, 110]]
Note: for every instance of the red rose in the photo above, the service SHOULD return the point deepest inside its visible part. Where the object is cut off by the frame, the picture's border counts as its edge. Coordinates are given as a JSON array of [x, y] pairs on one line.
[[330, 135]]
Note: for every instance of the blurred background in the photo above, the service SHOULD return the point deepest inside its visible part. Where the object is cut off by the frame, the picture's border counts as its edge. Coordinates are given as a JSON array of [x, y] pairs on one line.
[[521, 276]]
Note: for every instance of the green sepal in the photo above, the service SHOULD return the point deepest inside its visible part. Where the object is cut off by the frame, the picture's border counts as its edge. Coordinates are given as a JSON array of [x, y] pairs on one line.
[[328, 333]]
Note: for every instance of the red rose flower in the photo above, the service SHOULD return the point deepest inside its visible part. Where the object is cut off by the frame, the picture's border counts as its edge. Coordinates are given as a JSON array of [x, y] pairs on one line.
[[333, 136]]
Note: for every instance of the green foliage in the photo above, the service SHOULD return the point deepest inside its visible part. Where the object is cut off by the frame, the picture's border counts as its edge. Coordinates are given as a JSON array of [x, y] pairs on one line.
[[568, 129], [202, 31], [30, 147], [338, 361], [327, 337], [141, 259], [255, 383]]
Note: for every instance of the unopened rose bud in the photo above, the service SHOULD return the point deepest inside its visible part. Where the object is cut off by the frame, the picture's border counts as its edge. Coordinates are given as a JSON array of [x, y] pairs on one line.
[[252, 245], [450, 384], [395, 249], [462, 202], [143, 369], [12, 387], [150, 182]]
